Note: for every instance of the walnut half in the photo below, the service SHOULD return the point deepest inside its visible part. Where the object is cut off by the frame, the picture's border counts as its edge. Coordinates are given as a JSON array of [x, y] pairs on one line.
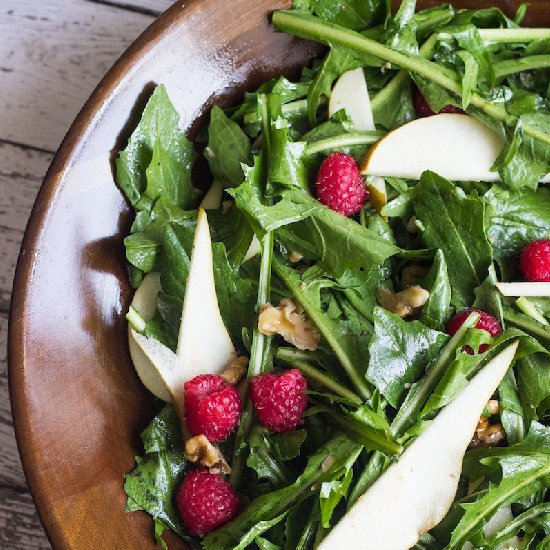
[[405, 303], [199, 450], [289, 321]]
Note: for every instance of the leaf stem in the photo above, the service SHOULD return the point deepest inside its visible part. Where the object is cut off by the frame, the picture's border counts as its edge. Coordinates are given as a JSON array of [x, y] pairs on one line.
[[344, 140], [315, 374], [324, 324], [528, 63], [312, 28]]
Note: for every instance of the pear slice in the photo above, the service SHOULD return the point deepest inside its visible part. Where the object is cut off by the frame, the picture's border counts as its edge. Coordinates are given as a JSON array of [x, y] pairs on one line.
[[524, 289], [253, 250], [455, 146], [351, 93], [418, 490], [145, 303], [213, 198], [204, 345], [378, 196]]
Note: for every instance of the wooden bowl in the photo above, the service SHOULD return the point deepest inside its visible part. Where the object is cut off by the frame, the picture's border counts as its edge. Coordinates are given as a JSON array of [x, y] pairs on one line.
[[77, 403]]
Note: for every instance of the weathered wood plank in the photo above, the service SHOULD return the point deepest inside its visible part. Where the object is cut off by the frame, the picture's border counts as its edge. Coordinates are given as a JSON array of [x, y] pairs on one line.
[[52, 55], [19, 523], [21, 173], [153, 7], [20, 527]]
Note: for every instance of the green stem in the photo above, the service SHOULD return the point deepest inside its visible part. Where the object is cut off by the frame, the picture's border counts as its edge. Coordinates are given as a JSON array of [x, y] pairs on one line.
[[316, 375], [512, 35], [527, 324], [294, 354], [324, 324], [312, 28], [136, 320], [528, 63], [385, 95], [345, 140]]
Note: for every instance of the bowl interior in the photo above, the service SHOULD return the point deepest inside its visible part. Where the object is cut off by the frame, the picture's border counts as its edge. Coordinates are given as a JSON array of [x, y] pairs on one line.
[[77, 403]]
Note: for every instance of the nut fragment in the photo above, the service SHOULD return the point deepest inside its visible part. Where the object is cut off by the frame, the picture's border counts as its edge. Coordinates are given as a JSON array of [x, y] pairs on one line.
[[235, 370], [411, 274], [290, 322], [487, 435], [411, 225], [404, 303], [227, 206], [199, 450], [493, 406], [295, 257]]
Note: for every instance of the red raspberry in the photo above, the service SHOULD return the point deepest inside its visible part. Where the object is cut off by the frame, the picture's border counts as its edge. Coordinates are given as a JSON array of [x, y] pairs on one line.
[[340, 185], [279, 399], [205, 501], [486, 322], [534, 261], [212, 407], [423, 109]]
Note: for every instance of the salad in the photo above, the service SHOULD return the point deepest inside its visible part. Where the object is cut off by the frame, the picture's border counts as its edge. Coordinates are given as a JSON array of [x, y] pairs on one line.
[[350, 326]]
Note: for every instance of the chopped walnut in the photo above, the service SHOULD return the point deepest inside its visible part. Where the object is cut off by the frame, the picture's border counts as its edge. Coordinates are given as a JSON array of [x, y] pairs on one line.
[[226, 206], [295, 257], [411, 225], [290, 322], [493, 406], [199, 450], [411, 274], [487, 435], [235, 370], [404, 303]]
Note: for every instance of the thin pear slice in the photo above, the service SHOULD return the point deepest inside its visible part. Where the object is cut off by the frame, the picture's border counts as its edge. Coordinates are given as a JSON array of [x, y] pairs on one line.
[[213, 198], [145, 303], [524, 289], [351, 93], [204, 345], [501, 519], [203, 342], [455, 146], [378, 196], [253, 250], [418, 491]]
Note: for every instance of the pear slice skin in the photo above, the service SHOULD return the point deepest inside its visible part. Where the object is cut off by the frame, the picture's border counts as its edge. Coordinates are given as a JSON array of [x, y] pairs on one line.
[[213, 198], [351, 93], [144, 302], [204, 345], [457, 147], [524, 289], [414, 494]]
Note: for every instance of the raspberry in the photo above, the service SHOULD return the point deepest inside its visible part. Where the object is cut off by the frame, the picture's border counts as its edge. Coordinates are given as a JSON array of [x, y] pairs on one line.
[[279, 399], [486, 322], [535, 261], [423, 109], [212, 407], [340, 185], [205, 501]]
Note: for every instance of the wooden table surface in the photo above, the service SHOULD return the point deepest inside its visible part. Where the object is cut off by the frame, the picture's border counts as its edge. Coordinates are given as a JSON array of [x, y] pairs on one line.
[[52, 55]]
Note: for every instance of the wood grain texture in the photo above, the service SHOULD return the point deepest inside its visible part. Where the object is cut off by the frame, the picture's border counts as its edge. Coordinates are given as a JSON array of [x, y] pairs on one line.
[[52, 55], [152, 7]]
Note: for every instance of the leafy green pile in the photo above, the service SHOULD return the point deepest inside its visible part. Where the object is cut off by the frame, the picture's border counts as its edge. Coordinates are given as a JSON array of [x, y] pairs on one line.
[[376, 380]]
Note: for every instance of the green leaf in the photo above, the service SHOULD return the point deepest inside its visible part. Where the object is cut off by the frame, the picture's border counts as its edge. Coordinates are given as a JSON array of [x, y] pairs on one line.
[[516, 218], [353, 14], [436, 312], [399, 353], [158, 129], [287, 446], [248, 538], [152, 484], [228, 148], [332, 492], [269, 506], [455, 224], [166, 177], [341, 243], [533, 378]]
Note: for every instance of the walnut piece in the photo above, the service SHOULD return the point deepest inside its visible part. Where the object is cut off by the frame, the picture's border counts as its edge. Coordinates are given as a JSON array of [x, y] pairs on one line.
[[411, 225], [404, 303], [199, 450], [235, 370], [487, 435], [295, 257], [411, 274], [290, 322]]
